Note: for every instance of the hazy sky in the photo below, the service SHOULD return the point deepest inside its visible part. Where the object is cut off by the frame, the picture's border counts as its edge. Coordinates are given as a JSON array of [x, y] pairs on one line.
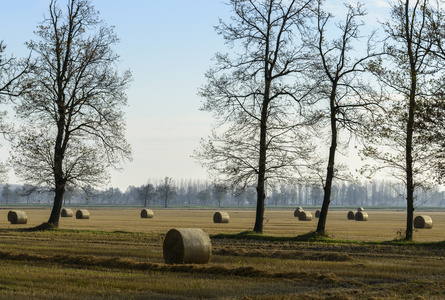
[[168, 45]]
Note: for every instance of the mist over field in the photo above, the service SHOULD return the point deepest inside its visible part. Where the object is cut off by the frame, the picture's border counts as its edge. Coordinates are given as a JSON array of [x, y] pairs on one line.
[[194, 193]]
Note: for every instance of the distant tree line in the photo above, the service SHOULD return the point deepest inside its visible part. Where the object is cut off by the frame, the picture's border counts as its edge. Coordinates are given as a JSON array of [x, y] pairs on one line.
[[201, 193]]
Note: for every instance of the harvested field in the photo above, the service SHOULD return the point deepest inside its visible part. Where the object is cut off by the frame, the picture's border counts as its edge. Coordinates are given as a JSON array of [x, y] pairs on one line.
[[112, 255], [382, 225]]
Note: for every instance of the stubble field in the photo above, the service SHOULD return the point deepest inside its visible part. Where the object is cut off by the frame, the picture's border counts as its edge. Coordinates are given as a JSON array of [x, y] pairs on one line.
[[117, 255]]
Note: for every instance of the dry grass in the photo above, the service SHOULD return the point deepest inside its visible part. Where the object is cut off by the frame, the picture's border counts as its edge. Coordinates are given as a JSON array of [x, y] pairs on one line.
[[382, 225], [114, 256], [86, 264]]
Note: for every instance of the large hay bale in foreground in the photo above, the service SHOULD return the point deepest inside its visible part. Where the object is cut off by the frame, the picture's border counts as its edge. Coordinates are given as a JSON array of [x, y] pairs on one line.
[[82, 214], [221, 217], [317, 214], [361, 216], [297, 211], [147, 213], [304, 216], [351, 215], [423, 221], [66, 213], [360, 209], [187, 246], [17, 217]]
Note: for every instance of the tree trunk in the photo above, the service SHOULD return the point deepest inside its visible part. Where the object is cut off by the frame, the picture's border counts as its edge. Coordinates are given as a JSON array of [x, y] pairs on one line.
[[261, 196], [261, 190], [57, 206], [60, 181], [409, 165], [62, 135], [410, 128], [321, 227]]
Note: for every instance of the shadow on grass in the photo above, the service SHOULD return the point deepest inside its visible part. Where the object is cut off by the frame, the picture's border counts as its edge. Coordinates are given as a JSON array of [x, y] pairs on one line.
[[42, 227], [251, 235], [315, 237]]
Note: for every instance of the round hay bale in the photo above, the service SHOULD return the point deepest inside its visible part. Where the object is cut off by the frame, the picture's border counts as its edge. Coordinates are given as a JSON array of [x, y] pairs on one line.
[[221, 217], [17, 217], [82, 214], [423, 221], [66, 213], [360, 209], [317, 214], [146, 213], [361, 216], [187, 246], [304, 216], [351, 215], [297, 211]]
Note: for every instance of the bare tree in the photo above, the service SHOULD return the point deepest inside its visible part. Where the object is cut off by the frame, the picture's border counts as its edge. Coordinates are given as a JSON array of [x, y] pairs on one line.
[[146, 193], [71, 104], [27, 191], [204, 196], [253, 95], [219, 192], [166, 190], [6, 193], [337, 74], [411, 75]]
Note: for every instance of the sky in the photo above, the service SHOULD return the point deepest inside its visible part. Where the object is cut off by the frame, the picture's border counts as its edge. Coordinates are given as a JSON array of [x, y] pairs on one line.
[[168, 45]]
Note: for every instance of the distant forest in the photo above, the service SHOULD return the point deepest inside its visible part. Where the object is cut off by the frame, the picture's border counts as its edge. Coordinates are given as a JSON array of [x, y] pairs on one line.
[[192, 193]]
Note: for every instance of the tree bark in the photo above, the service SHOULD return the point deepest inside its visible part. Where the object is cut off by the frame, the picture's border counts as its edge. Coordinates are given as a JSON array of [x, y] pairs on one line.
[[410, 128], [59, 153], [59, 177], [321, 226], [57, 206], [261, 191], [409, 164]]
